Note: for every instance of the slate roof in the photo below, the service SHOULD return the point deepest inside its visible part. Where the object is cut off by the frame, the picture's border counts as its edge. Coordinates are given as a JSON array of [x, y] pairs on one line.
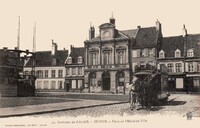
[[170, 44], [44, 58], [146, 38], [130, 32], [75, 53]]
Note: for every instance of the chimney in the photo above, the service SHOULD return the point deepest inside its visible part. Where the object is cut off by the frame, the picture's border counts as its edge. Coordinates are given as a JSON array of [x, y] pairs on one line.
[[138, 27], [158, 26], [54, 48], [184, 31], [91, 32], [71, 48]]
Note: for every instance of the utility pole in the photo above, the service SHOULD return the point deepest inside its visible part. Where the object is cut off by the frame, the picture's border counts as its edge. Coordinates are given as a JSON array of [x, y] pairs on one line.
[[34, 38], [18, 34]]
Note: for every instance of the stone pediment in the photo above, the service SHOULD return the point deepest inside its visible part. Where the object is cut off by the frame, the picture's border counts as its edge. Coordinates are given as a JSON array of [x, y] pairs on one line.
[[107, 25]]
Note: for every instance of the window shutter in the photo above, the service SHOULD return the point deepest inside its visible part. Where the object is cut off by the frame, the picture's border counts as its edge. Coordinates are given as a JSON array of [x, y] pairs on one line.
[[134, 53], [138, 52], [146, 52], [195, 66], [186, 67], [154, 52]]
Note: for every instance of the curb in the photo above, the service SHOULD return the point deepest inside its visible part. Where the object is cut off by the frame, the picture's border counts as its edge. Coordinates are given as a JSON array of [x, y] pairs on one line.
[[51, 111]]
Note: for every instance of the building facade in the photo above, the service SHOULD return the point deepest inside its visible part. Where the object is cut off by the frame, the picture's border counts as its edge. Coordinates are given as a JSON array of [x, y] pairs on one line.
[[75, 69], [145, 47], [49, 68], [180, 54], [111, 56]]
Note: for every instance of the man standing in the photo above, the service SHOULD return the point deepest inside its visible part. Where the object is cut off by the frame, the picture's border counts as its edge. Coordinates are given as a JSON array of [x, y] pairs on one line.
[[133, 94]]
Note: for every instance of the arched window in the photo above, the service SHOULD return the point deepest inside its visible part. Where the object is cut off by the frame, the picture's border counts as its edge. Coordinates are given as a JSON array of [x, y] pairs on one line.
[[69, 61], [190, 53], [80, 60], [161, 54], [177, 53]]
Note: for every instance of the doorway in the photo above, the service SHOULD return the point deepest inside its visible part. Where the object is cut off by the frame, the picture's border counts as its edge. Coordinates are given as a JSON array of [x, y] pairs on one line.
[[106, 81]]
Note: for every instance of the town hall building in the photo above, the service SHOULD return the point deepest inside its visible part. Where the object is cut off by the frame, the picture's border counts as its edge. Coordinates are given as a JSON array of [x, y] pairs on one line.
[[111, 57]]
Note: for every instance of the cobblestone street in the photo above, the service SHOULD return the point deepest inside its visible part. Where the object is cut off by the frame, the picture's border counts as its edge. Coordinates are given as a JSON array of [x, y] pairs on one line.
[[179, 104]]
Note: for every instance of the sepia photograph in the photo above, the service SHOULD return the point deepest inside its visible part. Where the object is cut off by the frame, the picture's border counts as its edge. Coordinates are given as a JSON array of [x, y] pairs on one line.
[[99, 63]]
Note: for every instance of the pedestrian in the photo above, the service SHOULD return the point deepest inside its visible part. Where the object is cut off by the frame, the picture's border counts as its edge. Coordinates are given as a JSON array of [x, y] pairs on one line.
[[133, 95]]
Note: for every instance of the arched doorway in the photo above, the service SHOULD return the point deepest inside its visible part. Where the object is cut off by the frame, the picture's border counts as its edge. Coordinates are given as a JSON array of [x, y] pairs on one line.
[[106, 81], [120, 81]]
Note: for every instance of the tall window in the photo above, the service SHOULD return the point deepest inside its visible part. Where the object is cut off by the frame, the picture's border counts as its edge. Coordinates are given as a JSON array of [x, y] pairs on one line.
[[170, 67], [53, 73], [46, 73], [93, 58], [60, 73], [190, 67], [39, 84], [67, 71], [177, 53], [107, 58], [161, 54], [80, 83], [60, 84], [80, 60], [190, 53], [53, 84], [46, 84], [121, 56], [73, 84], [40, 73], [80, 71], [73, 71], [178, 67], [93, 80]]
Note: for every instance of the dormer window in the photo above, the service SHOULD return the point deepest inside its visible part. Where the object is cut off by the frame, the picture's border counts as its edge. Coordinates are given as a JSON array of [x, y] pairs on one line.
[[190, 53], [161, 54], [177, 53], [69, 61], [80, 60]]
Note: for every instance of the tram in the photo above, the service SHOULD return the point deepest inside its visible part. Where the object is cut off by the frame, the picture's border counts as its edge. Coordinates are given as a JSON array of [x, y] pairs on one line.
[[152, 87]]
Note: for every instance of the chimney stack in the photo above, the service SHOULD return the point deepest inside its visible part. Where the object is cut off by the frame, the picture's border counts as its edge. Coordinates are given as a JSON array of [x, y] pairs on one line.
[[184, 31], [54, 48], [139, 27], [158, 26]]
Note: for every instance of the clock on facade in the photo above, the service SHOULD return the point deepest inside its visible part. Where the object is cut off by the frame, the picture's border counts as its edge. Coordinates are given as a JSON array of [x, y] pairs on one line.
[[106, 34]]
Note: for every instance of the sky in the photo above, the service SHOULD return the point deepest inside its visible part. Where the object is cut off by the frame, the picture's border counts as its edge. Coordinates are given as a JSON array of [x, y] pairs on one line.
[[67, 22]]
